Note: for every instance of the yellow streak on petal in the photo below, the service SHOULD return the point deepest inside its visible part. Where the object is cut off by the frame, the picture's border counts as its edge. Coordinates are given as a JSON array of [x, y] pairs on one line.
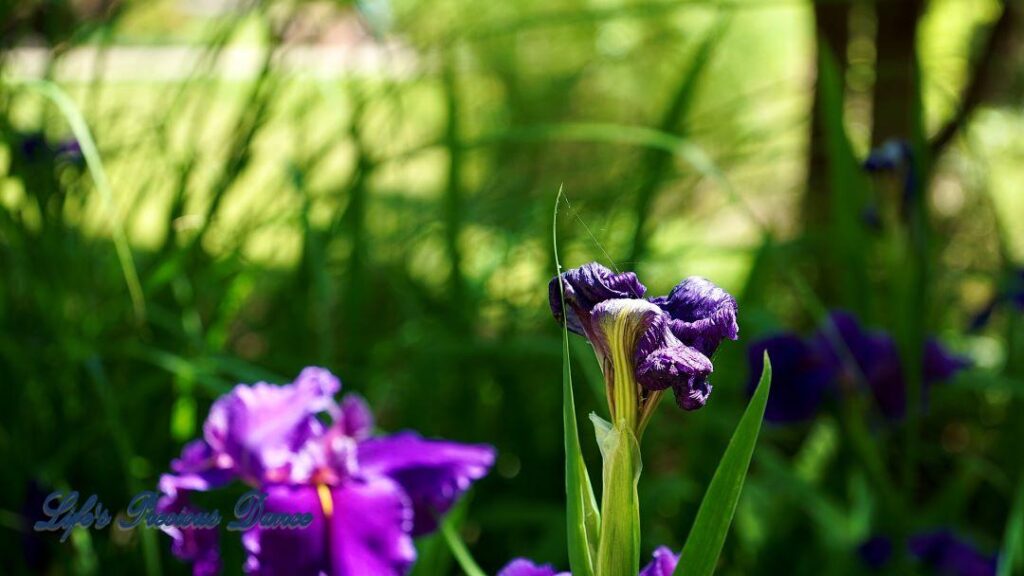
[[326, 502]]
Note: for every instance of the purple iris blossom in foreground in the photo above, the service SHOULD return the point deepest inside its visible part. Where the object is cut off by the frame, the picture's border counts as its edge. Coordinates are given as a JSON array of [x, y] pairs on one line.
[[662, 564], [810, 370], [369, 496], [939, 550], [667, 341]]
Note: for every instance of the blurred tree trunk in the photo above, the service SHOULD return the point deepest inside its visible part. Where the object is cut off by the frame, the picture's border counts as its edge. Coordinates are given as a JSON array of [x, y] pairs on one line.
[[896, 56], [832, 24]]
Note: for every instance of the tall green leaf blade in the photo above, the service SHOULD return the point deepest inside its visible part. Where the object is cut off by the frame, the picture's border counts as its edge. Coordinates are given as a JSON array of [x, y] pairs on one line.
[[703, 546], [582, 517], [1013, 538]]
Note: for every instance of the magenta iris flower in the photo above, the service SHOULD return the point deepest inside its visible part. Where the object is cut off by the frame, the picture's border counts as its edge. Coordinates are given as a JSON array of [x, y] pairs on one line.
[[679, 332], [662, 564], [369, 496]]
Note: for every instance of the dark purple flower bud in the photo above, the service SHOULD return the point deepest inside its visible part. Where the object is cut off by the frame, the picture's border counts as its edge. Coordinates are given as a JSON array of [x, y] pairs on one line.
[[702, 314], [586, 287], [949, 555], [875, 552], [658, 343], [802, 377]]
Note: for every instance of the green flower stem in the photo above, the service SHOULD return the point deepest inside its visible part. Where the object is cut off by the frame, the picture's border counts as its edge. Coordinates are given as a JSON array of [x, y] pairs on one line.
[[618, 550]]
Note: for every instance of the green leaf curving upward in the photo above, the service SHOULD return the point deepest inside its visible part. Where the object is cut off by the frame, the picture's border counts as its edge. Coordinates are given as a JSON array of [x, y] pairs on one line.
[[703, 546]]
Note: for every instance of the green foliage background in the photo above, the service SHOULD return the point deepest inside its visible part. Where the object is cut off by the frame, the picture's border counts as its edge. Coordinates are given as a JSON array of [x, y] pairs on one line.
[[391, 221]]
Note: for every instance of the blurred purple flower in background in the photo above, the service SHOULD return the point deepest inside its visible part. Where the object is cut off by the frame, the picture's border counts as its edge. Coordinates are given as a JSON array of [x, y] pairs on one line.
[[1011, 292], [876, 552], [941, 551], [803, 376], [677, 333], [663, 563], [35, 148], [369, 496], [949, 555], [809, 370], [895, 157]]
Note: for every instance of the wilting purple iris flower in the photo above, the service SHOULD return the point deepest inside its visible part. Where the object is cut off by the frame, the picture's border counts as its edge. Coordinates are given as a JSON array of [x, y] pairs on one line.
[[809, 370], [662, 564], [940, 550], [369, 496], [667, 341]]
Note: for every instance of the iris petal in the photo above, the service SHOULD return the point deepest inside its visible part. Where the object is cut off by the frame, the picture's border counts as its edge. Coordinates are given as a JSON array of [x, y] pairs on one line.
[[663, 563], [524, 567], [370, 529], [263, 429], [198, 546], [586, 287], [702, 314], [434, 473]]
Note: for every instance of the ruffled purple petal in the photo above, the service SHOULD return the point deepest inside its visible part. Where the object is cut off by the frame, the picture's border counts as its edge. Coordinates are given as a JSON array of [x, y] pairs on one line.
[[197, 469], [299, 551], [662, 360], [356, 417], [370, 529], [702, 314], [587, 286], [524, 567], [942, 551], [362, 528], [263, 431], [801, 377], [434, 473], [663, 563], [197, 546]]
